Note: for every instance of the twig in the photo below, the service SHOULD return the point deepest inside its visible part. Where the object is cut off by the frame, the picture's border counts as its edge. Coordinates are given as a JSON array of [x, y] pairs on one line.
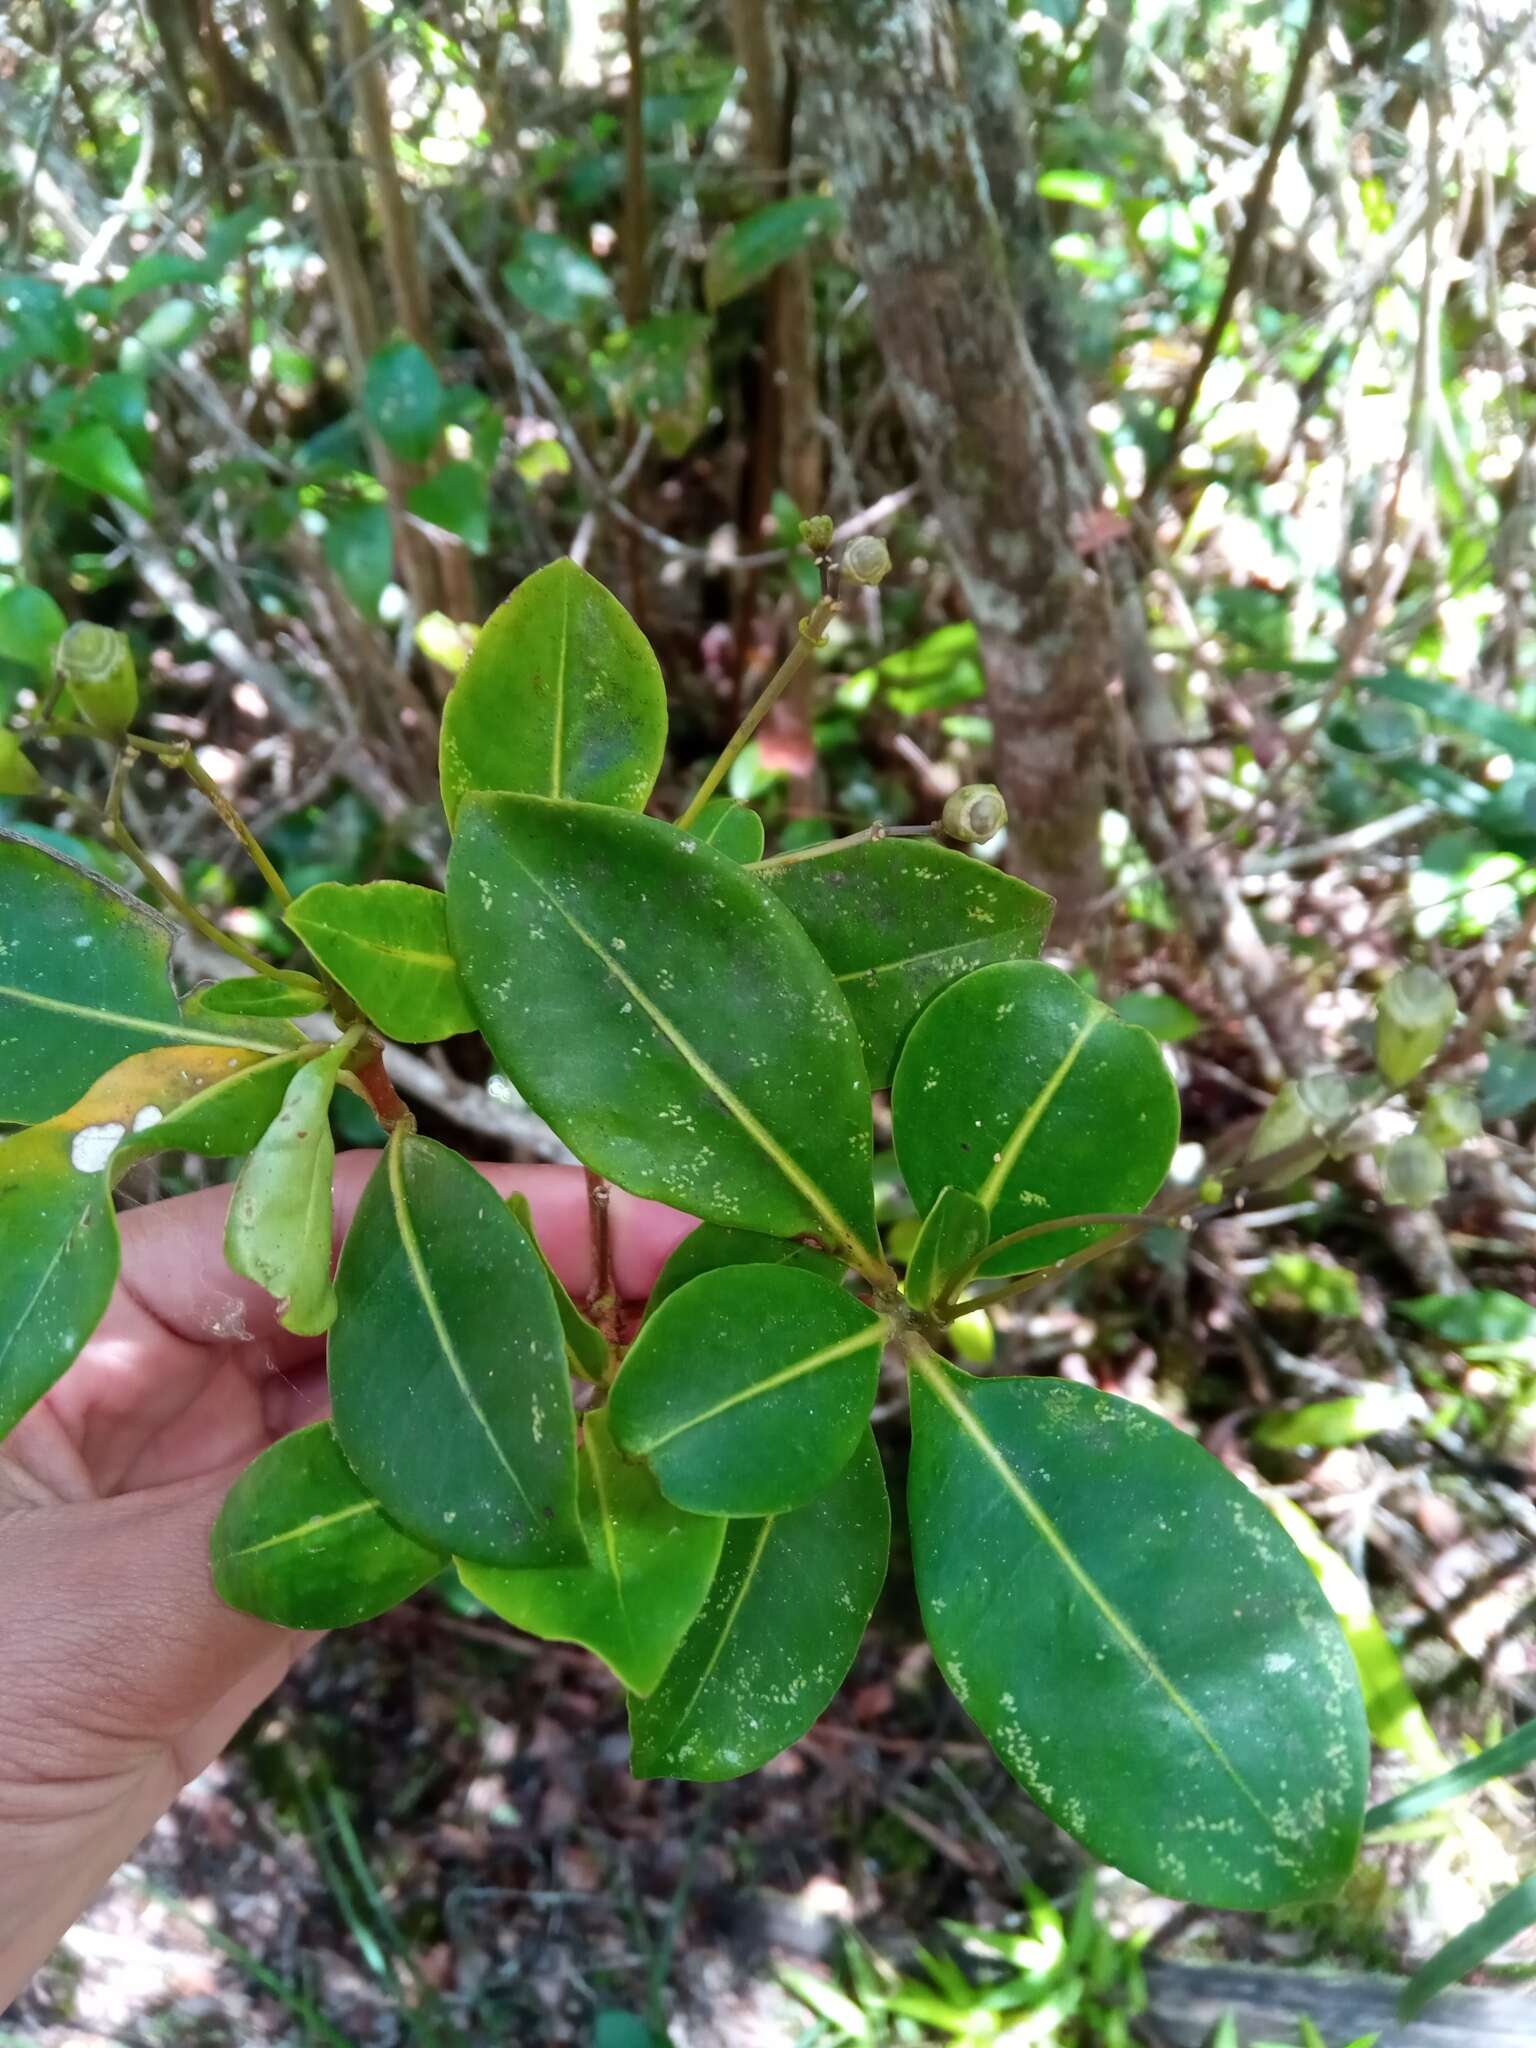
[[807, 640]]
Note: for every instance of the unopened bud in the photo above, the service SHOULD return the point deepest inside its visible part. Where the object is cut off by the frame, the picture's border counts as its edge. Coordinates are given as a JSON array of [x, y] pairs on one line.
[[975, 814], [866, 560], [1450, 1118], [17, 775], [816, 534], [1414, 1015], [1412, 1173], [1286, 1125], [95, 665]]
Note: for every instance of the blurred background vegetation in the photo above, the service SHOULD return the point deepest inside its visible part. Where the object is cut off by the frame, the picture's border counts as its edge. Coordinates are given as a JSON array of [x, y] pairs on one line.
[[1183, 352]]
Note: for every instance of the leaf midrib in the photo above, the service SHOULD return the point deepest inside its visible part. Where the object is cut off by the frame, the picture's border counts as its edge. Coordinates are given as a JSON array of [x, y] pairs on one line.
[[177, 1033], [380, 948], [557, 737], [1028, 1123], [310, 1528], [945, 952], [732, 1614], [786, 1375]]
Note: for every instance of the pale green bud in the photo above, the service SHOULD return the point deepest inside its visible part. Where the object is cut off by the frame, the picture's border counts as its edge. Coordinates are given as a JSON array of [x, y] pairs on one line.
[[974, 814], [17, 775], [1450, 1118], [816, 533], [1414, 1015], [95, 665], [1286, 1123], [1412, 1173], [866, 560]]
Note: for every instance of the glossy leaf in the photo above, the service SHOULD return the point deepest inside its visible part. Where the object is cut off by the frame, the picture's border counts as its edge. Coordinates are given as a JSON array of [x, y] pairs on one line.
[[561, 696], [58, 1236], [647, 1569], [257, 995], [897, 920], [1024, 1091], [1516, 1752], [278, 1231], [712, 1246], [300, 1543], [586, 1348], [84, 983], [31, 626], [97, 459], [749, 1389], [741, 256], [403, 400], [386, 943], [953, 1236], [662, 1012], [730, 828], [1507, 1918], [1140, 1642], [227, 1117], [775, 1638], [447, 1366], [457, 499]]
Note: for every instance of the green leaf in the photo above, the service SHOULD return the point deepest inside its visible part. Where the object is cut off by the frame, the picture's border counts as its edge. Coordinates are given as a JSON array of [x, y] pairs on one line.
[[1324, 1425], [387, 945], [227, 1115], [31, 625], [447, 1366], [84, 983], [1142, 1646], [1499, 729], [300, 1543], [1509, 1084], [1021, 1089], [586, 1348], [403, 400], [1516, 1752], [954, 1235], [457, 499], [730, 828], [359, 544], [257, 995], [741, 256], [97, 459], [1479, 1315], [712, 1246], [749, 1389], [899, 920], [162, 267], [789, 1605], [647, 1569], [658, 376], [664, 1015], [278, 1231], [553, 278], [562, 696], [1509, 1917], [1163, 1015], [1077, 188]]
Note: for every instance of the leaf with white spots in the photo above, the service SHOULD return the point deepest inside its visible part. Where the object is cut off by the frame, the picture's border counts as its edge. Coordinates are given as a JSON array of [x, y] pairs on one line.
[[1018, 1088], [447, 1366], [386, 943], [1137, 1638], [774, 1640], [278, 1230], [647, 1568]]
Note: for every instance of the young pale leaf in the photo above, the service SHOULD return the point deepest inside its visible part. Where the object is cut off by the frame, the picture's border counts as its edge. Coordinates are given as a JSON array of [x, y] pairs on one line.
[[58, 1238], [1141, 1644], [387, 945], [712, 1246], [953, 1236], [278, 1232], [562, 696], [670, 1021], [84, 983], [647, 1569], [790, 1602], [744, 254], [586, 1348], [897, 920], [730, 828], [1017, 1087], [257, 995], [299, 1542], [749, 1389], [1509, 1917], [447, 1366]]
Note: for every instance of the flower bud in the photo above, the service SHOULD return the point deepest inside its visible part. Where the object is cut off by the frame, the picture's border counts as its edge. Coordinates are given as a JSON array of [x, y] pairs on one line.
[[975, 814], [17, 775], [95, 665], [1412, 1173], [1287, 1123], [1450, 1118], [816, 534], [866, 560], [1414, 1015]]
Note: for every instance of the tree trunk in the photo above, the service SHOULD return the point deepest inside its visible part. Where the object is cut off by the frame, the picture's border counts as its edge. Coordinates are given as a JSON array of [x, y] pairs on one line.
[[987, 430]]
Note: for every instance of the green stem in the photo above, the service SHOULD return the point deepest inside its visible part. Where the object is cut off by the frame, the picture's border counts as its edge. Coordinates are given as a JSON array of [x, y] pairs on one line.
[[807, 640], [1125, 1224], [864, 838]]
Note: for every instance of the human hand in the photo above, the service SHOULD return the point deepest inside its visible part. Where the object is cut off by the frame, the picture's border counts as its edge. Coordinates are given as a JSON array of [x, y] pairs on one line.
[[123, 1673]]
